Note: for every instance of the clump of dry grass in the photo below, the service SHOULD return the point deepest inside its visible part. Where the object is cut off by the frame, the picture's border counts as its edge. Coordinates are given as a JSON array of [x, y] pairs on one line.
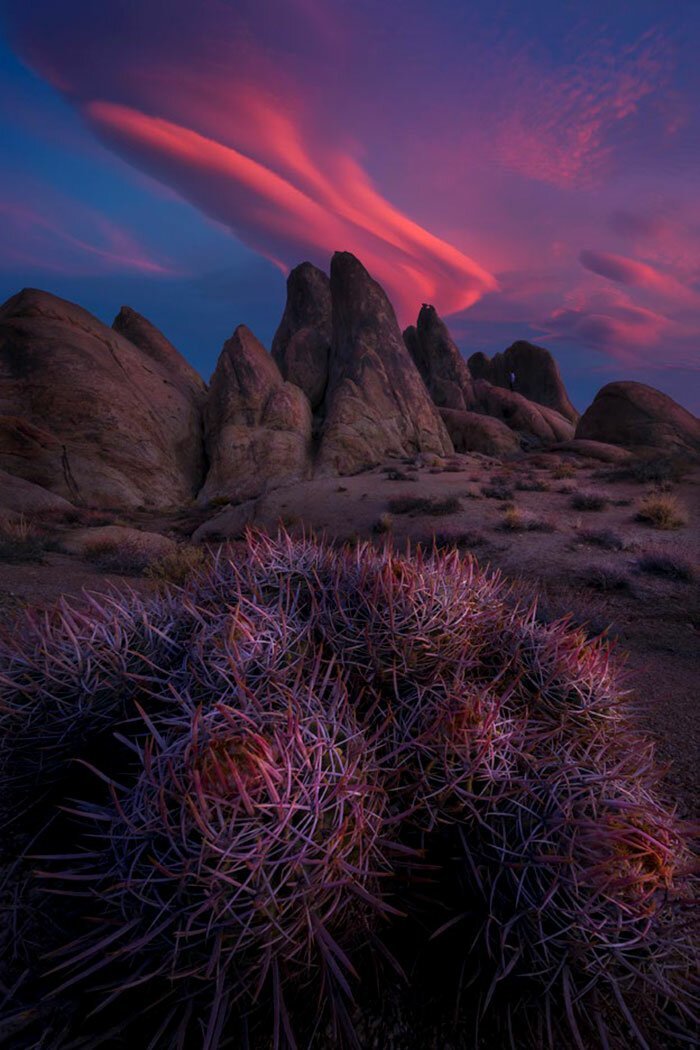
[[532, 484], [383, 524], [20, 540], [121, 557], [516, 519], [604, 578], [661, 511], [667, 564], [497, 490], [563, 470], [177, 567], [424, 505], [587, 500], [605, 538]]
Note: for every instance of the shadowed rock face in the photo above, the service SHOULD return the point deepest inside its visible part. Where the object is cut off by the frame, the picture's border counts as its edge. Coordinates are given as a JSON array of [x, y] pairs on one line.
[[302, 342], [376, 404], [475, 432], [444, 370], [87, 414], [139, 331], [257, 426], [517, 412], [536, 375], [639, 417]]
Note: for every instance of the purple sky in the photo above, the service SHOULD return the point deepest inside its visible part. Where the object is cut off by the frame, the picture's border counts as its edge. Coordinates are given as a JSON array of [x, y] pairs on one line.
[[532, 169]]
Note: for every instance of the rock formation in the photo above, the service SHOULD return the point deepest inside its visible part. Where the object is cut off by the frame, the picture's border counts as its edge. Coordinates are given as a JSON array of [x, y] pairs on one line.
[[302, 342], [536, 375], [640, 418], [439, 361], [18, 496], [451, 385], [475, 432], [139, 331], [376, 404], [87, 414], [257, 426], [531, 420]]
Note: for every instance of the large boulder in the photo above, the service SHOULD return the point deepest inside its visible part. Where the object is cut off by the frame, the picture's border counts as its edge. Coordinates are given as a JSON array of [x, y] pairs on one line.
[[536, 375], [439, 361], [257, 426], [87, 414], [139, 331], [376, 404], [20, 496], [529, 419], [595, 450], [641, 418], [475, 432], [302, 342]]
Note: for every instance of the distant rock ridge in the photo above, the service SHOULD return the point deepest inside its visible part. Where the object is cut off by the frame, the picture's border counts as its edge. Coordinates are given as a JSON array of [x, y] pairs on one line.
[[116, 417], [536, 372]]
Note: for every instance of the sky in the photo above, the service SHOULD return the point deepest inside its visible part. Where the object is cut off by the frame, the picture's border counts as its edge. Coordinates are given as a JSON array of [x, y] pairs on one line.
[[532, 169]]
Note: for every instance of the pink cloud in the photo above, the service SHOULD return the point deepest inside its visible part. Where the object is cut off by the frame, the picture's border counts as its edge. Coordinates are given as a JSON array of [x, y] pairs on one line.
[[298, 200], [33, 239]]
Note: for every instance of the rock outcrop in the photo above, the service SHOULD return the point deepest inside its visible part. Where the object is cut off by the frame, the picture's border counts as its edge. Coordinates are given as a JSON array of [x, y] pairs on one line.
[[87, 414], [475, 432], [536, 375], [439, 361], [376, 404], [640, 418], [19, 496], [257, 426], [302, 342], [532, 421], [139, 331]]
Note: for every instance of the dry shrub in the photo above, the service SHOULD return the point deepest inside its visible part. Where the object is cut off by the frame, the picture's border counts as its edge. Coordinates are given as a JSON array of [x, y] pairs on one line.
[[383, 524], [604, 578], [668, 564], [605, 538], [20, 540], [587, 500], [516, 519], [661, 511], [121, 557], [177, 567], [424, 505], [563, 471]]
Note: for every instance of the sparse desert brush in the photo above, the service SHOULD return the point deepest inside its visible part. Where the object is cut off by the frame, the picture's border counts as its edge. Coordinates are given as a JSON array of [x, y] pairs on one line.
[[661, 511], [587, 500], [516, 519], [499, 491], [532, 484], [668, 564], [563, 470], [567, 488], [124, 557], [605, 578], [328, 756], [20, 540], [605, 538], [383, 524], [424, 505], [179, 565]]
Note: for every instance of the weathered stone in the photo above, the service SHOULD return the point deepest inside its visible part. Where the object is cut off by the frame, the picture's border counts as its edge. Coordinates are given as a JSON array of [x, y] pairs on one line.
[[302, 342], [24, 497], [639, 417], [439, 361], [475, 432], [522, 415], [376, 405], [139, 331], [536, 373], [257, 426], [89, 415]]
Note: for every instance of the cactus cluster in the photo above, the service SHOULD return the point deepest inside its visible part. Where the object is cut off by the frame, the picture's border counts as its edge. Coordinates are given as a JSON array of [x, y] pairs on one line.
[[317, 748]]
